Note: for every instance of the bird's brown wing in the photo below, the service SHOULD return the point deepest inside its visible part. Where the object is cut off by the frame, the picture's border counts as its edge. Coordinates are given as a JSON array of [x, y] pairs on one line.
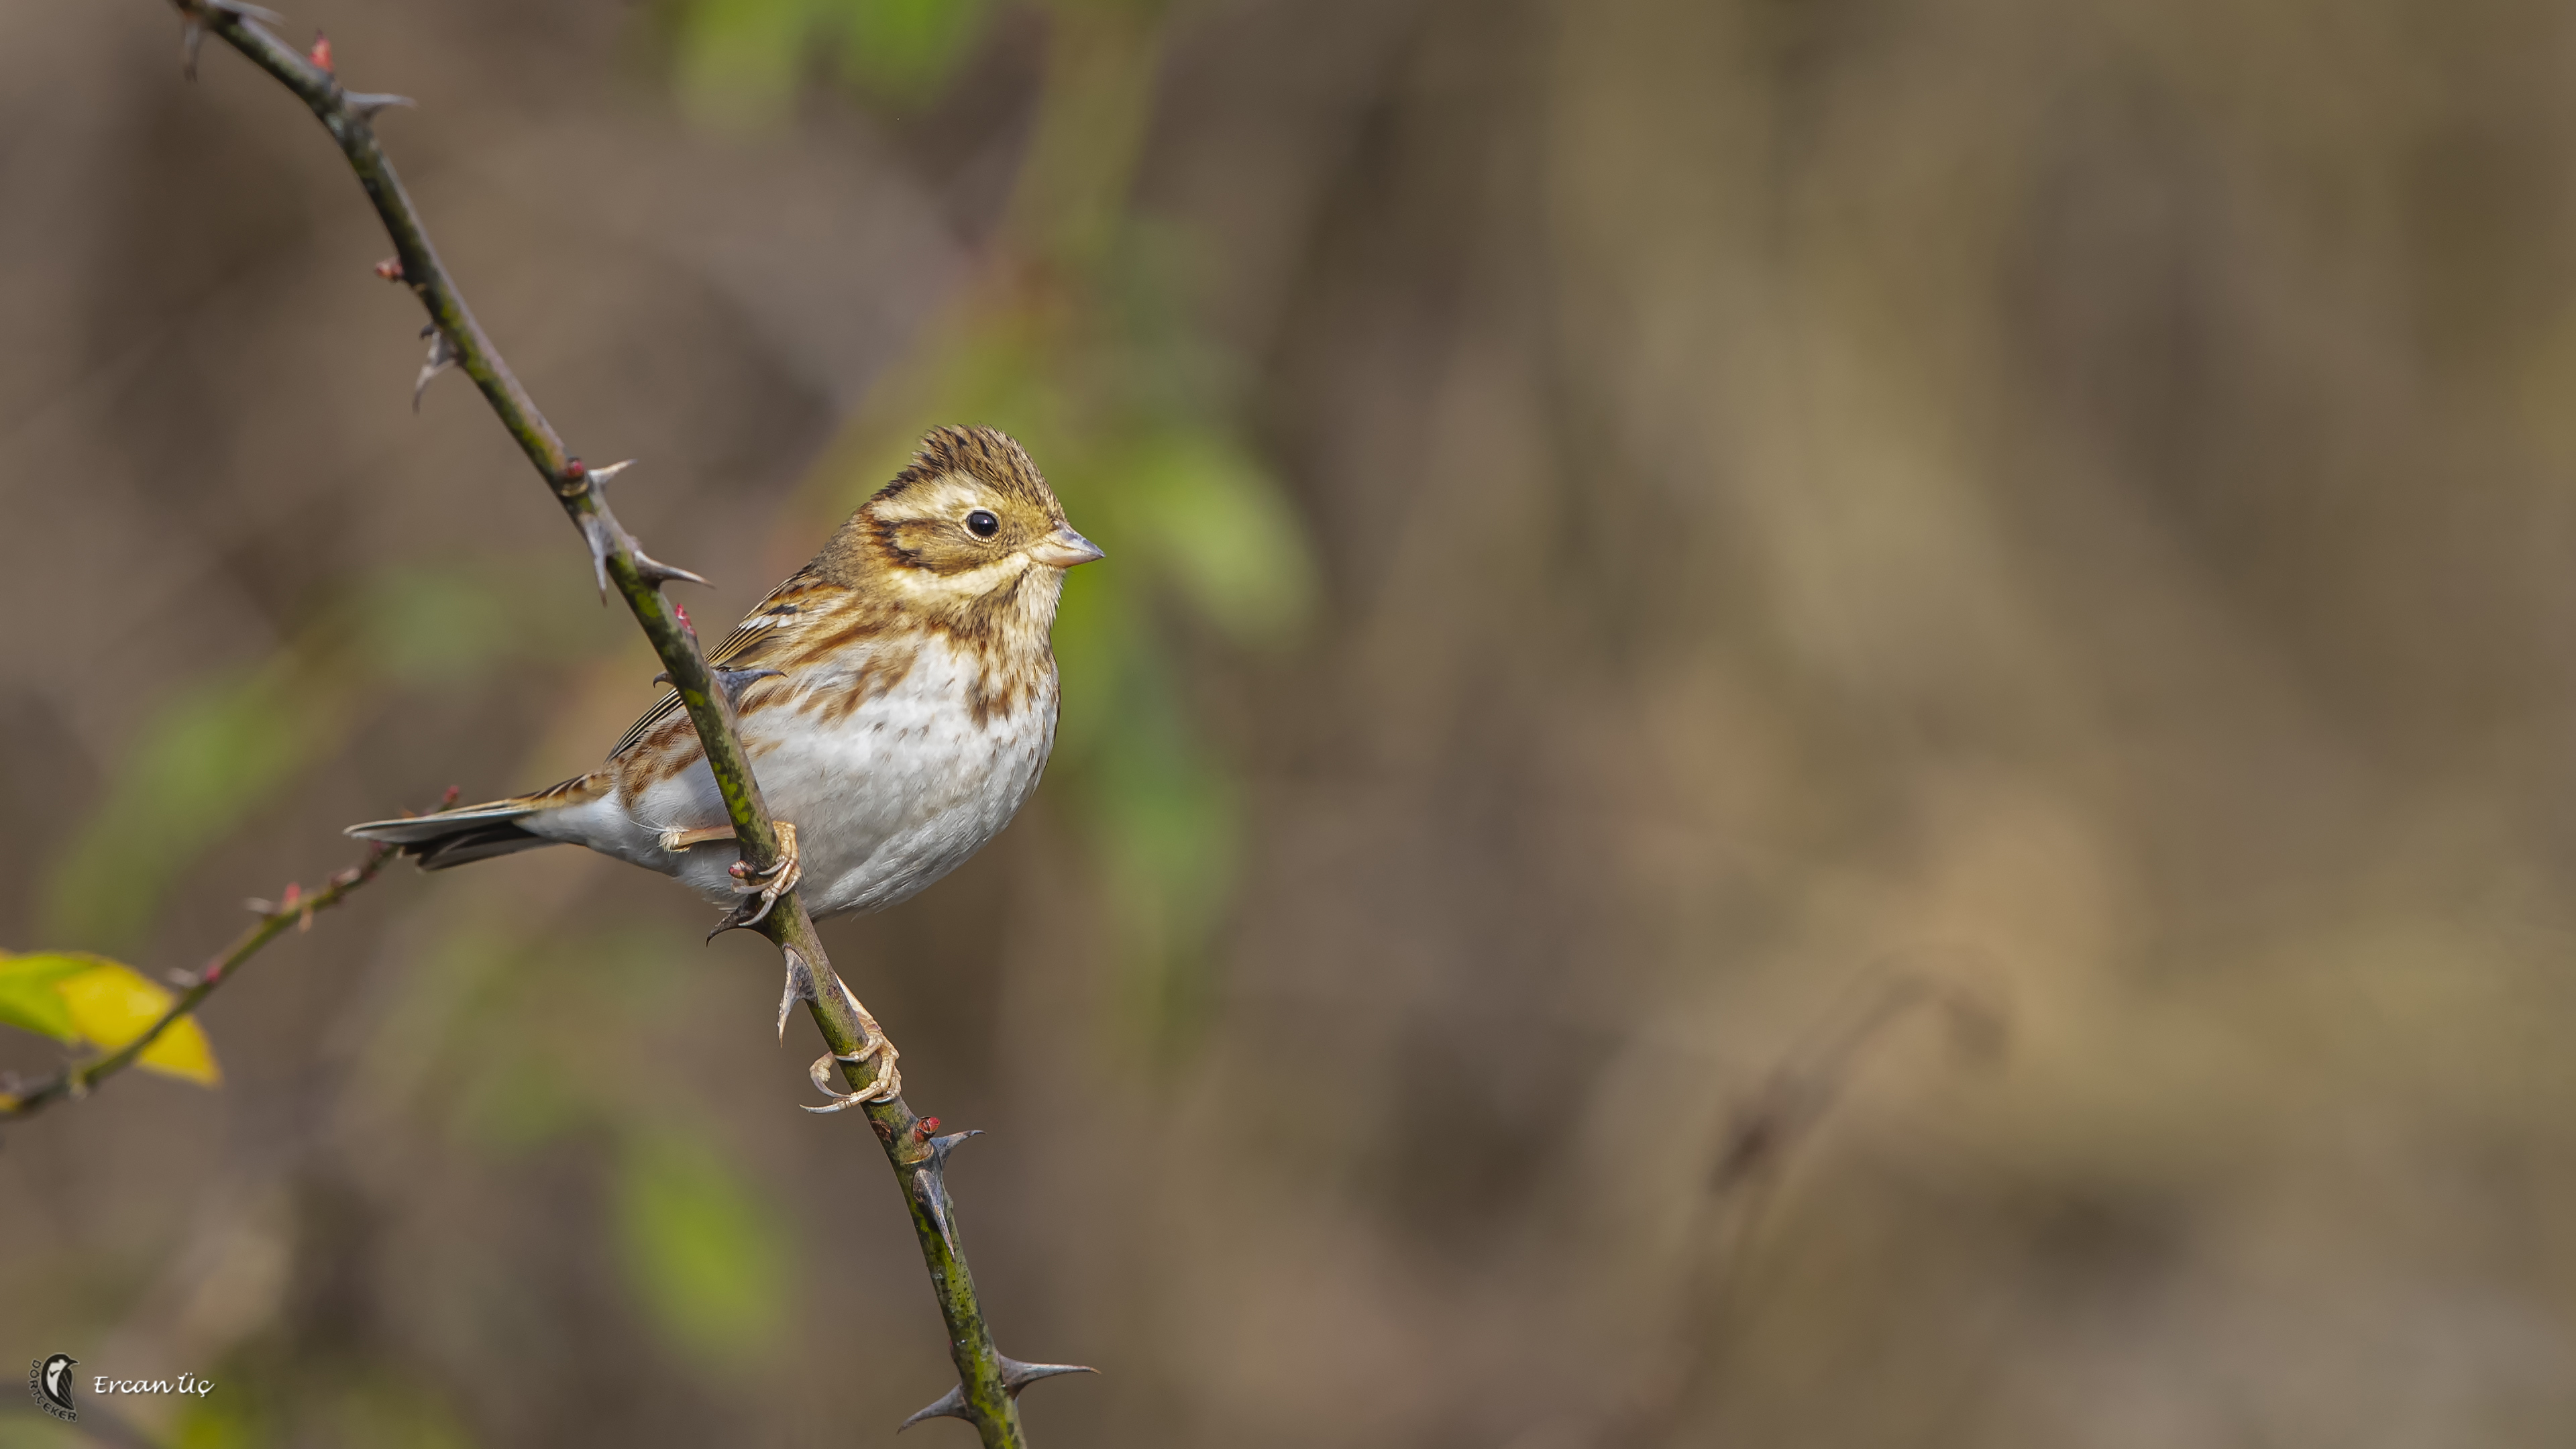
[[782, 614]]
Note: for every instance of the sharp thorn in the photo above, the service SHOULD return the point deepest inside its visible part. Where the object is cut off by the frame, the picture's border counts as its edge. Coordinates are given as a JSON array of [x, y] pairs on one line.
[[1017, 1375], [366, 104], [950, 1405], [800, 987], [742, 918], [442, 356], [734, 681], [653, 570], [930, 1181], [941, 1146], [850, 1002], [594, 531], [657, 572]]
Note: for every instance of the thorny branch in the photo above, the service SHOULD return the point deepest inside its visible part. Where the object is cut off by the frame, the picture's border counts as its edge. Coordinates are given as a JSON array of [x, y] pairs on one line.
[[989, 1383], [294, 908]]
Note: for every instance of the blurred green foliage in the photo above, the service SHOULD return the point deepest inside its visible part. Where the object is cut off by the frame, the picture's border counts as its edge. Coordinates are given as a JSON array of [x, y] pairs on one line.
[[226, 744], [704, 1253], [698, 1244], [204, 762], [740, 62]]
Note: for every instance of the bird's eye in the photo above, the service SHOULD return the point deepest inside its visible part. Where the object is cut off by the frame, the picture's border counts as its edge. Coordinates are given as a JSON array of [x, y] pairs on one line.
[[982, 524]]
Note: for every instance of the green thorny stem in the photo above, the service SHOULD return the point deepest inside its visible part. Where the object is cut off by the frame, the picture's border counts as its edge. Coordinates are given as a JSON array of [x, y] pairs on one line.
[[296, 909], [989, 1383]]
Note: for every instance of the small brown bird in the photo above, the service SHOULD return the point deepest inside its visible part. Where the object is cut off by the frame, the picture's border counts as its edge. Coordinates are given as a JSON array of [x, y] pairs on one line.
[[897, 700]]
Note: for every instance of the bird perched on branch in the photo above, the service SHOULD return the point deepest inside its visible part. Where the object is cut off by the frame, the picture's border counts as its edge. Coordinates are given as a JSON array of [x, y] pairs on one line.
[[897, 699]]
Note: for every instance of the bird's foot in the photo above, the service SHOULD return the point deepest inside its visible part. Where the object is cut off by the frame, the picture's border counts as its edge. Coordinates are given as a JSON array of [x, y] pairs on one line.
[[873, 1046], [889, 1081], [761, 889], [676, 841], [767, 886]]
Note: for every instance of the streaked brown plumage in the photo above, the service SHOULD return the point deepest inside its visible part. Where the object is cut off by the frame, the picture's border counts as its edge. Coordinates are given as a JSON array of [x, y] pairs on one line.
[[900, 703]]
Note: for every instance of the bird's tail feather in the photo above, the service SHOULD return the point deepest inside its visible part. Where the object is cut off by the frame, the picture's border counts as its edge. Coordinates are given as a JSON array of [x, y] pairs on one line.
[[467, 833]]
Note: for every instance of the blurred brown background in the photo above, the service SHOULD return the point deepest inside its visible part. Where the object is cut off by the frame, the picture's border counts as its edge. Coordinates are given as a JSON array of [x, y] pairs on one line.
[[1814, 722]]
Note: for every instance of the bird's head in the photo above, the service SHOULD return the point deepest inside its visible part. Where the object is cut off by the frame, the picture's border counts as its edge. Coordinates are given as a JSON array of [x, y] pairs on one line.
[[969, 526]]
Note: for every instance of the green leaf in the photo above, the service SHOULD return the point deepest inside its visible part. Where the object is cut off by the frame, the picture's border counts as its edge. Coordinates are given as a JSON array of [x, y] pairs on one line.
[[28, 998], [700, 1248]]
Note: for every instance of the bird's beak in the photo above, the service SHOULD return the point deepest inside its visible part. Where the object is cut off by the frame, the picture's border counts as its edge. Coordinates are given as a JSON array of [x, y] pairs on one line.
[[1064, 548]]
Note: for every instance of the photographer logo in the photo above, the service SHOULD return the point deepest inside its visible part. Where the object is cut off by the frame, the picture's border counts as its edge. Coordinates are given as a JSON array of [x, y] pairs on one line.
[[49, 1383]]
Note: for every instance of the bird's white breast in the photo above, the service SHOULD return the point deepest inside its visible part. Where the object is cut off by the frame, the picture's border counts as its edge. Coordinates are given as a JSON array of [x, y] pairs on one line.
[[886, 796]]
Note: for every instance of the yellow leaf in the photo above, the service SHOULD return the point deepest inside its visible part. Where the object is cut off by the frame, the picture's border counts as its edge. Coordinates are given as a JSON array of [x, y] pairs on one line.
[[113, 1004]]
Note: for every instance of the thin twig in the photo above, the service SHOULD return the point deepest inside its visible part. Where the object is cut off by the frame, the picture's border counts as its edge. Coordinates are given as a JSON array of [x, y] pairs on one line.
[[296, 909], [989, 1383], [1752, 1155]]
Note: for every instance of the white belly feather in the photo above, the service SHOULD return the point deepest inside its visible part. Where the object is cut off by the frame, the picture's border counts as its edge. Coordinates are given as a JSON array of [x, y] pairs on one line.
[[886, 798]]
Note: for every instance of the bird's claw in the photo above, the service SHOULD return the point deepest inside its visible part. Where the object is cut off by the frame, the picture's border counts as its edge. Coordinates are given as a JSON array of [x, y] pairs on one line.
[[873, 1045], [887, 1086], [767, 886]]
